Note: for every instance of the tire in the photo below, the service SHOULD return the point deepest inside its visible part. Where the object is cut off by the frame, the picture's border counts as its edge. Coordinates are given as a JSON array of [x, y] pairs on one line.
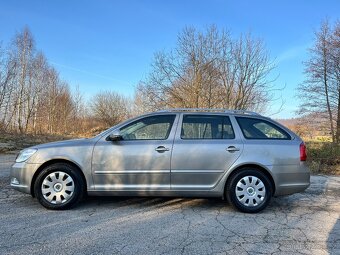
[[59, 186], [249, 190]]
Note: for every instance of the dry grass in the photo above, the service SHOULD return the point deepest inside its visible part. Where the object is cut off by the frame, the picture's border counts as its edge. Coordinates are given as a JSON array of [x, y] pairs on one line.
[[323, 157], [15, 142]]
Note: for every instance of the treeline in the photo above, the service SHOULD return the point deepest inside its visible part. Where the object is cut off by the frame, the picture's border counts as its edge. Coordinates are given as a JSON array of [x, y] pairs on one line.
[[33, 97], [206, 69]]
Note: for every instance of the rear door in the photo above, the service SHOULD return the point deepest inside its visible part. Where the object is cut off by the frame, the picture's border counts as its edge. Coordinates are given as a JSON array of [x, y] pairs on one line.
[[205, 147]]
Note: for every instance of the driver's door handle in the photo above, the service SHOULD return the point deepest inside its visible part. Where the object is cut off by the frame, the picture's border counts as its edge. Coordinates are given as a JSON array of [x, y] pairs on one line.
[[232, 149], [161, 149]]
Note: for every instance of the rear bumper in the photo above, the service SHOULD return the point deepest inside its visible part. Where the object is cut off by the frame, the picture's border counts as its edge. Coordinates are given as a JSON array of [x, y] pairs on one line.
[[291, 179], [21, 176]]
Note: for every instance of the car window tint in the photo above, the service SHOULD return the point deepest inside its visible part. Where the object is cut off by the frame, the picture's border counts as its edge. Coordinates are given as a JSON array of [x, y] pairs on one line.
[[206, 127], [149, 128], [260, 129]]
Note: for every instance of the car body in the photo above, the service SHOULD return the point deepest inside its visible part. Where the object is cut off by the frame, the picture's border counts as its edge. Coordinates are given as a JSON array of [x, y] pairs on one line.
[[239, 155]]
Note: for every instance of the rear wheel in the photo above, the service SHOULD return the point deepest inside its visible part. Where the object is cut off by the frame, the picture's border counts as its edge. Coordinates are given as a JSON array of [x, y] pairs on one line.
[[59, 186], [249, 190]]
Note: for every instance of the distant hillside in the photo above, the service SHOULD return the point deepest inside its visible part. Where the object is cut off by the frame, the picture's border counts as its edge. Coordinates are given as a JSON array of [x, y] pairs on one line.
[[311, 127], [289, 122]]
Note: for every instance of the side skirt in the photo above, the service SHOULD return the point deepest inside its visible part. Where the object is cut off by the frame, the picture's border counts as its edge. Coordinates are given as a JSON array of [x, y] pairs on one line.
[[156, 193]]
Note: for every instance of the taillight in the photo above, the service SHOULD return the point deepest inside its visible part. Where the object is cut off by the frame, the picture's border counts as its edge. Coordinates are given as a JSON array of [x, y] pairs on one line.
[[303, 152]]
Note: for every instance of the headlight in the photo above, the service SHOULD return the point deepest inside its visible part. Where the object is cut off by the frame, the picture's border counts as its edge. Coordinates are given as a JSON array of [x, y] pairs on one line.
[[25, 154]]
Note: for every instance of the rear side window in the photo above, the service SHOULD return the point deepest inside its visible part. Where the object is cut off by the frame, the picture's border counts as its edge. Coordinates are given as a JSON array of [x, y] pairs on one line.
[[261, 129], [206, 127]]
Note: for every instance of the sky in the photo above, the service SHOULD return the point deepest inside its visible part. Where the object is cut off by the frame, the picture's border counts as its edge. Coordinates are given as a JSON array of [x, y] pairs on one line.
[[109, 45]]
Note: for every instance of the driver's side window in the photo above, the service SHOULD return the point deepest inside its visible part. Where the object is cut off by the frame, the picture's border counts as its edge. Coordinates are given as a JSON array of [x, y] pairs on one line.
[[149, 128]]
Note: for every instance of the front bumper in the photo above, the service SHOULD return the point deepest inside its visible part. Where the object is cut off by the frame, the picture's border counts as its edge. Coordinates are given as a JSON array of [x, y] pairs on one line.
[[21, 176]]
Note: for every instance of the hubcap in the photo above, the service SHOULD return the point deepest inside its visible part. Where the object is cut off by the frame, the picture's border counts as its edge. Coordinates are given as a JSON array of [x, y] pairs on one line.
[[250, 191], [57, 187]]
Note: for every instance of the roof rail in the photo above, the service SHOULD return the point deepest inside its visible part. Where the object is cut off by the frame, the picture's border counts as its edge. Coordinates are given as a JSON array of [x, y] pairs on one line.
[[210, 110]]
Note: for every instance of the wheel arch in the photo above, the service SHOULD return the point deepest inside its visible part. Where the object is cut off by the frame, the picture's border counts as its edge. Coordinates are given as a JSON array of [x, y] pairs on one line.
[[254, 166], [54, 161]]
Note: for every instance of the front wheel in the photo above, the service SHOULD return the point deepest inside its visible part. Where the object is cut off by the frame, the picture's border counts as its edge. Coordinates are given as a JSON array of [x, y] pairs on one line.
[[59, 186], [249, 190]]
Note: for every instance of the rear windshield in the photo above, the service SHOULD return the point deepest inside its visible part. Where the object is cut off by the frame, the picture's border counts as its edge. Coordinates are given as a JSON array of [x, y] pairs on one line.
[[261, 129]]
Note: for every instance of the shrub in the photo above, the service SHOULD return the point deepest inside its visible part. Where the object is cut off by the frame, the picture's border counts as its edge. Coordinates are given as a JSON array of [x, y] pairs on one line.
[[323, 157]]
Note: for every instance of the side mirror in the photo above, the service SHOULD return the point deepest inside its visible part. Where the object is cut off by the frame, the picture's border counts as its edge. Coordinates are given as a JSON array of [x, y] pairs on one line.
[[114, 136]]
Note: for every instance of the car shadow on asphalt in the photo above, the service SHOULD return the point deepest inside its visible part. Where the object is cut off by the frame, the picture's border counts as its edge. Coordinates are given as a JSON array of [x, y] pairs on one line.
[[333, 241], [150, 202]]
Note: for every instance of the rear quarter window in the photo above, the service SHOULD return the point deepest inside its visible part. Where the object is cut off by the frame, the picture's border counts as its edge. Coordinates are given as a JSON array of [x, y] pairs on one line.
[[253, 128]]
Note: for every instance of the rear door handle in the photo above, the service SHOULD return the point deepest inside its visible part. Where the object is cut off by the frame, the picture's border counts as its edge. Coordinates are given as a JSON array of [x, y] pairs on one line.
[[232, 149], [161, 149]]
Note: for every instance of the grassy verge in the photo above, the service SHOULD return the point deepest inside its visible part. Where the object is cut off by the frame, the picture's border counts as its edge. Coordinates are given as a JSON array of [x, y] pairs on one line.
[[15, 142], [323, 157]]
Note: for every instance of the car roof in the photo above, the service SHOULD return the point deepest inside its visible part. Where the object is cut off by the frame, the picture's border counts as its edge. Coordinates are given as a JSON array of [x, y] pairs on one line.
[[209, 111]]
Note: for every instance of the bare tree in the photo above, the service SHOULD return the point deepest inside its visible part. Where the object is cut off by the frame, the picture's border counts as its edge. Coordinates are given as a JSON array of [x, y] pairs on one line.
[[320, 91], [142, 101], [335, 76], [79, 113], [110, 107], [23, 49], [209, 69], [7, 73]]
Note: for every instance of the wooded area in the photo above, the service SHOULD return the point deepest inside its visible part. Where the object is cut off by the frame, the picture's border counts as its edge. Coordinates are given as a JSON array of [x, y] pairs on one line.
[[33, 97], [208, 69]]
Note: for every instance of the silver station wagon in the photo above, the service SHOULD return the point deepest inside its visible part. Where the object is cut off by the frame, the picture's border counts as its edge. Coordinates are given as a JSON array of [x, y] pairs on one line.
[[237, 155]]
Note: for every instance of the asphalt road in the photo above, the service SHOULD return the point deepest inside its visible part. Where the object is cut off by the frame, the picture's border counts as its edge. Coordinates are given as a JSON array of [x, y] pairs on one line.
[[305, 223]]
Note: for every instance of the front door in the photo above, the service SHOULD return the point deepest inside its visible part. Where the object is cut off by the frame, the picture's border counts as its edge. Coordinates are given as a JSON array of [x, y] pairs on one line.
[[141, 160]]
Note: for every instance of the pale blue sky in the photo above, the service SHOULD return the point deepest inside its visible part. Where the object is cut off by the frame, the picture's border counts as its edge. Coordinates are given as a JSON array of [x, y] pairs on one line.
[[102, 45]]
